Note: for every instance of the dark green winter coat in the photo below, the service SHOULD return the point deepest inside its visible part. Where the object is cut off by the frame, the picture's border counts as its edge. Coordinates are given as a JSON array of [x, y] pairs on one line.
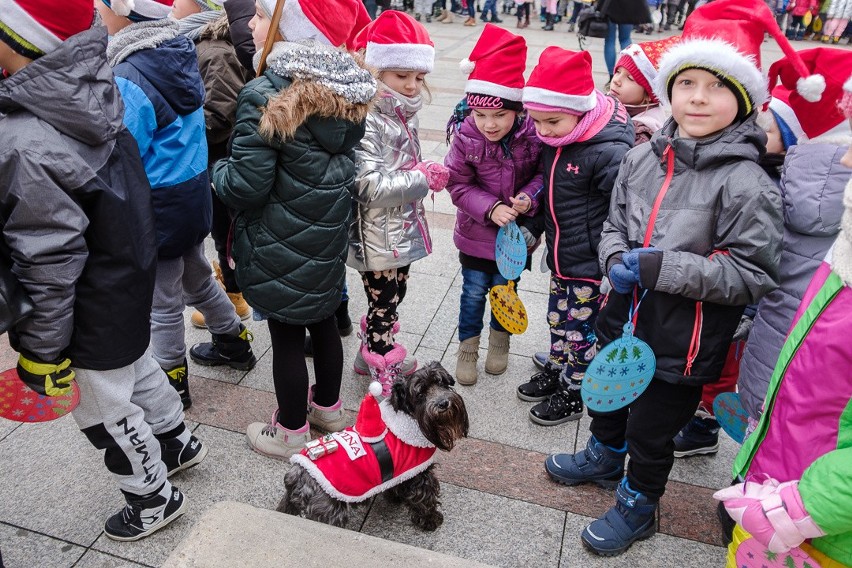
[[290, 178]]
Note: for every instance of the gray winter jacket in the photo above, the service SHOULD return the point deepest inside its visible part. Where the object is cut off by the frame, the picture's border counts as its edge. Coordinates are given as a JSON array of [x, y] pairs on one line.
[[719, 227], [812, 185], [389, 228]]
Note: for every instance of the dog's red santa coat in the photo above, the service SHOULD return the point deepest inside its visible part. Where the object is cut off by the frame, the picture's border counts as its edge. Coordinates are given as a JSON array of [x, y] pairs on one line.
[[355, 472]]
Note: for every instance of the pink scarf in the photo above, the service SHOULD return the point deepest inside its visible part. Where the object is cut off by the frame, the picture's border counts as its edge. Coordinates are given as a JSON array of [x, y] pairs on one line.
[[590, 124]]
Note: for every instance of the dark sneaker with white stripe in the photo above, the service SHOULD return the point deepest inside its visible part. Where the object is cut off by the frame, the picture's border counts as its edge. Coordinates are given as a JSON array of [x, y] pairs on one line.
[[179, 457], [144, 515]]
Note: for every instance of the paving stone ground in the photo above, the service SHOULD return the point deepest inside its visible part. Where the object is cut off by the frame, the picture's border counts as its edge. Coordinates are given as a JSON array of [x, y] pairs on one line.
[[499, 506]]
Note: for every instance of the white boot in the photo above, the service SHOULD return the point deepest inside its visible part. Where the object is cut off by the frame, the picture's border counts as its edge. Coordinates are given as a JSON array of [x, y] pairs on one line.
[[274, 440]]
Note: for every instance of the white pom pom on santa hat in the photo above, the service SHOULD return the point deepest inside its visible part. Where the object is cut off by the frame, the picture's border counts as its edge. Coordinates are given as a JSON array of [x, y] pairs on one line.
[[375, 388], [122, 7], [467, 66], [811, 87]]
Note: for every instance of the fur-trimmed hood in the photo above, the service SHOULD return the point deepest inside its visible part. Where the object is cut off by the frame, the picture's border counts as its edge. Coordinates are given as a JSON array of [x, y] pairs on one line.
[[217, 30]]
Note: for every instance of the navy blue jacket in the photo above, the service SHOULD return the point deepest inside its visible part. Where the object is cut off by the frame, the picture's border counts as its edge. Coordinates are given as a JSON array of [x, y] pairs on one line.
[[164, 110]]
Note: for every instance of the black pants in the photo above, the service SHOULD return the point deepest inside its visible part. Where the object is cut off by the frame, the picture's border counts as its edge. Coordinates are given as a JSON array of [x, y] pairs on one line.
[[385, 291], [290, 373], [220, 230], [648, 426]]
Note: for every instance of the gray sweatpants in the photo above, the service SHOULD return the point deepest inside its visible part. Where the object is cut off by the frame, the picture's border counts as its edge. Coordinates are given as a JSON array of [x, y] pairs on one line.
[[423, 7], [187, 281], [120, 411]]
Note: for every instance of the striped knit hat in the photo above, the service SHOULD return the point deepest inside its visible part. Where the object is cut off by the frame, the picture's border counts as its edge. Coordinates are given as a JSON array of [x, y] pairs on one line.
[[33, 28]]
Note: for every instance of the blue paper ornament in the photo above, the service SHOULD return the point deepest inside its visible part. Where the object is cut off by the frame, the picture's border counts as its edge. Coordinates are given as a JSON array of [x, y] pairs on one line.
[[620, 372], [510, 251], [732, 417]]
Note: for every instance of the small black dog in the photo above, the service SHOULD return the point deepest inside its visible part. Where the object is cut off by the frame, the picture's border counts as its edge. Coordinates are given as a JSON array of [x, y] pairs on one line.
[[423, 413]]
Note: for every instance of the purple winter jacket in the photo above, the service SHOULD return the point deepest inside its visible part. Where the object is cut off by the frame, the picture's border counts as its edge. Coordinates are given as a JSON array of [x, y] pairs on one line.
[[480, 177]]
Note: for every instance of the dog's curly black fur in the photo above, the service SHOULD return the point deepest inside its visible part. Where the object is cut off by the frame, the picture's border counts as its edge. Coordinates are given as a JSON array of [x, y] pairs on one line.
[[428, 397]]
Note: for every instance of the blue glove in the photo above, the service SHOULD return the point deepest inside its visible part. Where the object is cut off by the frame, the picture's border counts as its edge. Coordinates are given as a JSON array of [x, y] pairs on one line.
[[632, 262], [622, 278]]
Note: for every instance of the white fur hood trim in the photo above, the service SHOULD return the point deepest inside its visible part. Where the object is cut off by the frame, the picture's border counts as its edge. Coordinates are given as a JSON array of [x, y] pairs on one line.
[[403, 426]]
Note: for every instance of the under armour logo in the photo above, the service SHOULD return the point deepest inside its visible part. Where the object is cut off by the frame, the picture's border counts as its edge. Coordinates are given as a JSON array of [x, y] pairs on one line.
[[571, 168]]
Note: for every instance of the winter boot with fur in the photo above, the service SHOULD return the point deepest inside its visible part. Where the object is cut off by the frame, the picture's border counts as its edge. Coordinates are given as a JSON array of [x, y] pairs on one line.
[[274, 440], [634, 517], [497, 359], [231, 350], [326, 418], [408, 366], [467, 357], [385, 368], [179, 379], [145, 514]]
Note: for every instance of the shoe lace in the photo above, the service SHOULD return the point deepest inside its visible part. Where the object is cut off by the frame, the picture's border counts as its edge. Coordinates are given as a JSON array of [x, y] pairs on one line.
[[128, 513], [558, 401], [178, 374]]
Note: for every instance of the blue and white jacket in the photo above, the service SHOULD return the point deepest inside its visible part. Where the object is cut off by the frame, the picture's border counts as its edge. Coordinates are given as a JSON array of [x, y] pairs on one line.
[[164, 110]]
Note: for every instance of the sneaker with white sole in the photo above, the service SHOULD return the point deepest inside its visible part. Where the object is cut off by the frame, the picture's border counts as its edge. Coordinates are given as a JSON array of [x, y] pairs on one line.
[[273, 440], [144, 515], [178, 456], [326, 418]]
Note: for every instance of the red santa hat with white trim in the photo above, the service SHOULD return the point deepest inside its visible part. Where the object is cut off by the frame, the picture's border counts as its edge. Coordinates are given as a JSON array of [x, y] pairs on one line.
[[641, 60], [330, 22], [369, 424], [561, 81], [808, 119], [724, 37], [496, 69], [33, 28], [395, 40]]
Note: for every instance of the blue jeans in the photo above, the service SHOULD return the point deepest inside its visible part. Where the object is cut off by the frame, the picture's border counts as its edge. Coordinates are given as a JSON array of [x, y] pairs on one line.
[[490, 5], [623, 31], [474, 296]]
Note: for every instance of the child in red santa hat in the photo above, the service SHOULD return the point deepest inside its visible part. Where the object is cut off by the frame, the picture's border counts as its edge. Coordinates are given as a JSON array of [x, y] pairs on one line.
[[495, 176], [389, 231]]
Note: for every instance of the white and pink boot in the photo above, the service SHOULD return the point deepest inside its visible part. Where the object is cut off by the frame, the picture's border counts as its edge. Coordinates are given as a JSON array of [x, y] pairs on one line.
[[408, 366], [385, 368]]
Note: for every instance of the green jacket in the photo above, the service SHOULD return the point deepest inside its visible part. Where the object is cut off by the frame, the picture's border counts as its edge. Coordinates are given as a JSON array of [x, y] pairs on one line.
[[292, 193]]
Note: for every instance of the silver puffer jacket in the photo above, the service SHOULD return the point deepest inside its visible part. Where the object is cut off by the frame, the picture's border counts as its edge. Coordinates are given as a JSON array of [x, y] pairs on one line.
[[389, 222]]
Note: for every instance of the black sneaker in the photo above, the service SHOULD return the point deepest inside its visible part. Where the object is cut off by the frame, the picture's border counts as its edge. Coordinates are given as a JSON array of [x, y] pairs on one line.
[[179, 457], [145, 515], [179, 379], [700, 436], [541, 385], [562, 406], [231, 350]]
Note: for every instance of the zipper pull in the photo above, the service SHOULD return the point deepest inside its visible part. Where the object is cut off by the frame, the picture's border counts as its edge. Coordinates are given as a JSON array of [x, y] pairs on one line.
[[666, 153]]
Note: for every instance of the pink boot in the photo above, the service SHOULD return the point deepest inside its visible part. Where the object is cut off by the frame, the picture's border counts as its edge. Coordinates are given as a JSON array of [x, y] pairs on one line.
[[362, 368], [385, 368]]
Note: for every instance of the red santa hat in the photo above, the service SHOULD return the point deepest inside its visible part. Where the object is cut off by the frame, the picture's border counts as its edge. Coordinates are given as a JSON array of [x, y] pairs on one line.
[[496, 69], [331, 22], [141, 10], [395, 40], [369, 424], [642, 60], [561, 80], [806, 118], [35, 27], [724, 37], [362, 20]]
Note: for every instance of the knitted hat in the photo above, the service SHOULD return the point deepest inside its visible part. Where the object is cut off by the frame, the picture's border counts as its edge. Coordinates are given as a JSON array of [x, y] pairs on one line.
[[641, 60], [141, 10], [805, 117], [35, 27], [562, 79], [496, 69], [395, 40], [785, 119], [369, 424], [724, 37], [326, 21], [210, 5]]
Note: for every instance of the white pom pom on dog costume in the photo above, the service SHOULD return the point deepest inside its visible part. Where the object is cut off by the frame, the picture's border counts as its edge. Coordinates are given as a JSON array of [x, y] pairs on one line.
[[811, 88], [466, 66]]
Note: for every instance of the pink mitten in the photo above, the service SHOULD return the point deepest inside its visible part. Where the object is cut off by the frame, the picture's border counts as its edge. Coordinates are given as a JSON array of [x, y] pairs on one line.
[[774, 514], [436, 174]]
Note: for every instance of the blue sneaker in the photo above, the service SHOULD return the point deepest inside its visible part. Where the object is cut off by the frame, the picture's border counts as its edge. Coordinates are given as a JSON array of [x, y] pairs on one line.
[[633, 518], [540, 359], [596, 464]]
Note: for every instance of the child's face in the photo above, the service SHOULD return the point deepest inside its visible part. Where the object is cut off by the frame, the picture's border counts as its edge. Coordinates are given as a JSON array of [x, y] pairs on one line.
[[701, 104], [259, 26], [494, 124], [184, 8], [774, 142], [407, 83], [11, 60], [625, 89], [554, 124]]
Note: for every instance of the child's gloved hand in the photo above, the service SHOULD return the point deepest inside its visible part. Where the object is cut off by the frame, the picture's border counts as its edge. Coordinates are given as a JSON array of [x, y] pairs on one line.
[[645, 265], [622, 278], [49, 379], [436, 174], [773, 514]]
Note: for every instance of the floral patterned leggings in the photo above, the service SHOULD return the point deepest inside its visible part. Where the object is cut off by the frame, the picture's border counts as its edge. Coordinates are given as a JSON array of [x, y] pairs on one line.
[[385, 291], [572, 310]]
